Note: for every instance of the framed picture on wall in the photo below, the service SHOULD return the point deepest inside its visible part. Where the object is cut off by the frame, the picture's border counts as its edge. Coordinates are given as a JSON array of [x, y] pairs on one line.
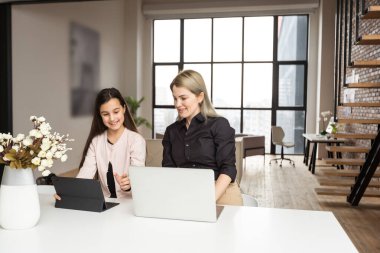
[[84, 68]]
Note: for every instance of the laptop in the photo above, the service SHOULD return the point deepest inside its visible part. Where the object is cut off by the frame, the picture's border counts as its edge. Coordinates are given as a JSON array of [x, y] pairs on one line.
[[80, 194], [174, 193]]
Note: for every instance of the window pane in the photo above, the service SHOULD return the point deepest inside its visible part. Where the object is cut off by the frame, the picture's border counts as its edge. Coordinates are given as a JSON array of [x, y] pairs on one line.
[[227, 39], [291, 85], [227, 85], [164, 76], [258, 39], [197, 41], [233, 116], [163, 118], [292, 37], [293, 124], [258, 85], [205, 71], [166, 40], [258, 122]]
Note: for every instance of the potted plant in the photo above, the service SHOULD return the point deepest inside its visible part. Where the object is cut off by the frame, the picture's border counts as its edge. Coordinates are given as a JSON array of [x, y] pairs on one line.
[[22, 154], [134, 105]]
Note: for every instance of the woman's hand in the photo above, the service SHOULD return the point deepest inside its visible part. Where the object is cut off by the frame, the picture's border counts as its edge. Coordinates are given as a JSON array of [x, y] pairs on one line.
[[57, 197], [123, 181]]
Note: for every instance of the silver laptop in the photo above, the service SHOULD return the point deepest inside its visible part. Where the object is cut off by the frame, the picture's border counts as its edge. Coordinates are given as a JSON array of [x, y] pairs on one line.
[[174, 193]]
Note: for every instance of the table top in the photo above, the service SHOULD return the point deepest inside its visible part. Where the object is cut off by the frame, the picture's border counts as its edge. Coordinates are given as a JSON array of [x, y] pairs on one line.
[[238, 229], [322, 138]]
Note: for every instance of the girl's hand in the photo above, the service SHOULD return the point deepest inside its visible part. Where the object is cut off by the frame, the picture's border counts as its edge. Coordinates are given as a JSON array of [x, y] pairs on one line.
[[123, 181]]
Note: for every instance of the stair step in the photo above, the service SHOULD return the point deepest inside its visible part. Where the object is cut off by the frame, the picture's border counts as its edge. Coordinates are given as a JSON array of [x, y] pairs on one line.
[[359, 121], [344, 173], [365, 64], [344, 161], [372, 12], [349, 149], [344, 192], [353, 136], [344, 182], [362, 104], [368, 39], [363, 85]]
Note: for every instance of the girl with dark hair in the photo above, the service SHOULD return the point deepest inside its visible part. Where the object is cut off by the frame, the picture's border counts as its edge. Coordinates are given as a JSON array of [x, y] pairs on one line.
[[112, 145]]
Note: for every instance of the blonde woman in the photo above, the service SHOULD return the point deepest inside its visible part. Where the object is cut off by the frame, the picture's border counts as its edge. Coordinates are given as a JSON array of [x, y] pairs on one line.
[[200, 138]]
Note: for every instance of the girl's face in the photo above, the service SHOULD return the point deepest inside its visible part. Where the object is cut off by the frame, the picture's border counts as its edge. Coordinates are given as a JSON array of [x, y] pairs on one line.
[[112, 114], [186, 102]]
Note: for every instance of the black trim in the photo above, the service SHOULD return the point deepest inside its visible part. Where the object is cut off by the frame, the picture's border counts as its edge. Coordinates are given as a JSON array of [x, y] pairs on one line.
[[5, 71]]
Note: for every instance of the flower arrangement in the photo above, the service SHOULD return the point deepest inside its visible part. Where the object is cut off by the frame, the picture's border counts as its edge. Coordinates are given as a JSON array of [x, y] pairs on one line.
[[37, 150], [325, 117]]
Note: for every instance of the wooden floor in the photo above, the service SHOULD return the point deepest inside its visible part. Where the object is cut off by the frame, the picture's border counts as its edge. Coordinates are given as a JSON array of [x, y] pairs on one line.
[[293, 188]]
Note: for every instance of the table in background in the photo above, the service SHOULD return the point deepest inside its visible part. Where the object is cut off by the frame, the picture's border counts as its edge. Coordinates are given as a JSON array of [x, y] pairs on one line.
[[238, 229], [316, 139]]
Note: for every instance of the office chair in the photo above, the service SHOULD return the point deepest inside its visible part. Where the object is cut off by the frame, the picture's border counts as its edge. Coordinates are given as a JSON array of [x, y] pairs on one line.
[[278, 140], [249, 200]]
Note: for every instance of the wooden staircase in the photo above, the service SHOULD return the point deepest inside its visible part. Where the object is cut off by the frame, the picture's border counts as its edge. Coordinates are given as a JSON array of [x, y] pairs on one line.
[[362, 178]]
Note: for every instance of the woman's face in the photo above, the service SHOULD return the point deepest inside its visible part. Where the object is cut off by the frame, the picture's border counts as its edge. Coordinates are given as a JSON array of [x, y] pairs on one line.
[[186, 102], [112, 114]]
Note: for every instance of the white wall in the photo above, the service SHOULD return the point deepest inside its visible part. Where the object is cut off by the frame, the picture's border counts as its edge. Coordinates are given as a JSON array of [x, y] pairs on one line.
[[40, 55]]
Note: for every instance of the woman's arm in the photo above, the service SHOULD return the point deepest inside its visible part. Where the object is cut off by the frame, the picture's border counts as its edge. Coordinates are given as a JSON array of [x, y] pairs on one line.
[[167, 160], [221, 185]]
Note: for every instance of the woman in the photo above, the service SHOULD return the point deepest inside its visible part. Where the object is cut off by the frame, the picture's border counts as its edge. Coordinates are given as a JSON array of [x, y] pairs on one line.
[[200, 138], [112, 145]]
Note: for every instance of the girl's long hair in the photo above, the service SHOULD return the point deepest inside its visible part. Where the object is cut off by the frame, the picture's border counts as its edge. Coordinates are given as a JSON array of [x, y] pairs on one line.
[[97, 126]]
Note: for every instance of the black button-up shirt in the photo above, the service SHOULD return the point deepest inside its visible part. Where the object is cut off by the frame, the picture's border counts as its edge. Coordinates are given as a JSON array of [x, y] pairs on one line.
[[206, 144]]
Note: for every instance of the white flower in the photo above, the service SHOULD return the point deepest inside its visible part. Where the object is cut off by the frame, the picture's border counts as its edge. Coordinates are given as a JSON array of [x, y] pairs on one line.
[[19, 138], [53, 149], [33, 117], [46, 173], [41, 168], [47, 162], [45, 128], [31, 152], [41, 119], [36, 161], [2, 149], [64, 158], [33, 132], [39, 134], [45, 146], [57, 154], [27, 141], [46, 141], [42, 154], [49, 155], [16, 147], [7, 136]]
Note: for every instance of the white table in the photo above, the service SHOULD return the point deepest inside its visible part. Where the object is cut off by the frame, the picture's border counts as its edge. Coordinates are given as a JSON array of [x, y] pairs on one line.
[[238, 229]]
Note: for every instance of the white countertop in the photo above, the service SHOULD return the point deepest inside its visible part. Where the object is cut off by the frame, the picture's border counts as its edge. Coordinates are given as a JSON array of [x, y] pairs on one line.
[[238, 229]]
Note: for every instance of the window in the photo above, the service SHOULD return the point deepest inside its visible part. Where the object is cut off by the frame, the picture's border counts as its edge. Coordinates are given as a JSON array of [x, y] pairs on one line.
[[254, 68]]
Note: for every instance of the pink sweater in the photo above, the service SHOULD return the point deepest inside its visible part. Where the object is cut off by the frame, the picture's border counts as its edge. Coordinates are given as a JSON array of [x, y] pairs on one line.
[[130, 149]]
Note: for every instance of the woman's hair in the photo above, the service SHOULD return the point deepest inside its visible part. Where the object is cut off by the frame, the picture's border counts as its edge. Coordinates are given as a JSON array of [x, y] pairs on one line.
[[97, 126], [194, 82]]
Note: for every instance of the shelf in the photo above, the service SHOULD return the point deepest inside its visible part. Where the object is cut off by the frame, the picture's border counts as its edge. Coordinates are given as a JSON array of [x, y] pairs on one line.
[[344, 161], [347, 149], [353, 136], [362, 104], [359, 121], [369, 39], [365, 64], [363, 85], [372, 12]]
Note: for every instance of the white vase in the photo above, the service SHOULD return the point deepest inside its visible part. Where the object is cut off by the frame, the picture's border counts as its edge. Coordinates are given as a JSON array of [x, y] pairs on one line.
[[19, 202]]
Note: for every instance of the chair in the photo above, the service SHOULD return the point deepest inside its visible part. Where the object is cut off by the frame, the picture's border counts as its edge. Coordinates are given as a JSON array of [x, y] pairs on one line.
[[248, 200], [278, 140]]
